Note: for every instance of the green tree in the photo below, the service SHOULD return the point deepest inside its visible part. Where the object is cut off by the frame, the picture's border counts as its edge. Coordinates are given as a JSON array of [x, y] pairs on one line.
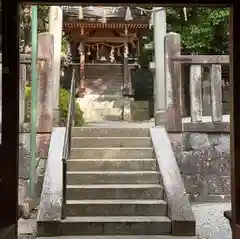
[[204, 32], [25, 25]]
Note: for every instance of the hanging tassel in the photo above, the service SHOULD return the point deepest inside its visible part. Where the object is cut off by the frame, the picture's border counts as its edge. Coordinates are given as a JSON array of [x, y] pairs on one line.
[[151, 20], [128, 14], [112, 58], [104, 18], [80, 13], [185, 13]]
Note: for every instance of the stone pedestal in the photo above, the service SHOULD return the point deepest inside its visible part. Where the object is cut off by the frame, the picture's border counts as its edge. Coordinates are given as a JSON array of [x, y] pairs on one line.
[[140, 110], [160, 117]]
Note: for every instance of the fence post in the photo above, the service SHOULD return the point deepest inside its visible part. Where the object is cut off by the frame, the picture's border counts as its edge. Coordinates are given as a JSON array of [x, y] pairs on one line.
[[173, 82], [45, 94], [45, 83], [196, 92], [216, 92], [22, 83]]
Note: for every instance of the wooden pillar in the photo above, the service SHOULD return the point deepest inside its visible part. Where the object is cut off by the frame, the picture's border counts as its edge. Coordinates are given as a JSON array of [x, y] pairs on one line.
[[0, 100], [10, 122], [235, 119], [125, 64], [82, 62]]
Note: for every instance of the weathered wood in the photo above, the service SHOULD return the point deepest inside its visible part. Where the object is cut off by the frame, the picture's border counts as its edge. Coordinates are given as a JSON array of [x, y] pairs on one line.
[[207, 127], [125, 61], [206, 91], [22, 83], [1, 95], [82, 64], [196, 92], [202, 59], [174, 82], [9, 162], [216, 92], [45, 95]]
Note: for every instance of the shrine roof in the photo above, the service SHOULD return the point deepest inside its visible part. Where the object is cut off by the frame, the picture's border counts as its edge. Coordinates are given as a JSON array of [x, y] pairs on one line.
[[93, 13], [109, 25]]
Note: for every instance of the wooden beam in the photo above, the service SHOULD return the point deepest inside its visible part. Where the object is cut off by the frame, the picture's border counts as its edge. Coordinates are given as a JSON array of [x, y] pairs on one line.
[[104, 39], [202, 59]]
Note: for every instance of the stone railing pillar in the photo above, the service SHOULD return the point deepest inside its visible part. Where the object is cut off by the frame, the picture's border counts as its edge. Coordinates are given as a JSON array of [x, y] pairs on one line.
[[160, 105], [55, 28], [173, 82], [45, 95]]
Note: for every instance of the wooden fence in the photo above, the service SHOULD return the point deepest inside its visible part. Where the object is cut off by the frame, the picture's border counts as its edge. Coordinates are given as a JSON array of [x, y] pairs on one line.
[[216, 122]]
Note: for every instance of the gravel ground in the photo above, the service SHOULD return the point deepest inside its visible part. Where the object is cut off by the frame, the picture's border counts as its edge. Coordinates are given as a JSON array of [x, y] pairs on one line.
[[211, 224]]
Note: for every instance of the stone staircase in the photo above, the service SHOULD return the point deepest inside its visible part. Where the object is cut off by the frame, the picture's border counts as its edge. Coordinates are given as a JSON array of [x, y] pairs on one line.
[[113, 184]]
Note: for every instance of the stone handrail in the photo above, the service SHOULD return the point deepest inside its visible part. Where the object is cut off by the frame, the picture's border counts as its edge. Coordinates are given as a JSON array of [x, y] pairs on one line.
[[179, 208], [49, 213]]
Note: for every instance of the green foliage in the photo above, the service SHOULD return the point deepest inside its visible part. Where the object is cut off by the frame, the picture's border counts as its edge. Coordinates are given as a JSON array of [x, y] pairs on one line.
[[63, 107], [25, 22], [204, 32], [43, 16], [27, 104]]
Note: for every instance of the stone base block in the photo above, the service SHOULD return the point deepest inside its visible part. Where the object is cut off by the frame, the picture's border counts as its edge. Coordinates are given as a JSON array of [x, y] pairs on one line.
[[140, 110], [160, 118]]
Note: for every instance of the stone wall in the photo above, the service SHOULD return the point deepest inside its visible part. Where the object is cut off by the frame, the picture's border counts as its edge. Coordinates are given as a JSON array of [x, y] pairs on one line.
[[204, 162]]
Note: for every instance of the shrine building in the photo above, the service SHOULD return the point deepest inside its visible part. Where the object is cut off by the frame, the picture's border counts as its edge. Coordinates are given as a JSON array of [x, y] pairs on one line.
[[104, 46]]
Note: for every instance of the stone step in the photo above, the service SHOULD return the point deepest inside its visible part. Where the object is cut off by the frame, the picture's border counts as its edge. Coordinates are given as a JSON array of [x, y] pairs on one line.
[[144, 225], [108, 142], [111, 153], [112, 165], [115, 208], [110, 132], [118, 177], [122, 237], [114, 191]]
